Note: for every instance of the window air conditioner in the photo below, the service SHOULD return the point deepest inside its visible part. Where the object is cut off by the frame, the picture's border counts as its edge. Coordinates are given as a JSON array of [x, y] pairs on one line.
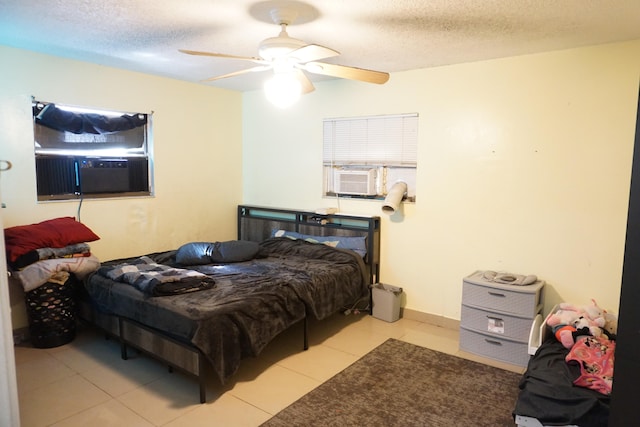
[[355, 181], [61, 175], [104, 175]]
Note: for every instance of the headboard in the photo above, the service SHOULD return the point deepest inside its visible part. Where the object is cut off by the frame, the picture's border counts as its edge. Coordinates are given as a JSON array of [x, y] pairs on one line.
[[256, 223]]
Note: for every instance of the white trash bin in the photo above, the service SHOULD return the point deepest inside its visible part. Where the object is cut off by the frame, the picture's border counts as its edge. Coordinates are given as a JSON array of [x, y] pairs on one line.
[[386, 302]]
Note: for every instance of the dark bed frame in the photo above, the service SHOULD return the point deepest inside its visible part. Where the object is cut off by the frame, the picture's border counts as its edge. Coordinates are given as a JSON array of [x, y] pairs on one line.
[[255, 223]]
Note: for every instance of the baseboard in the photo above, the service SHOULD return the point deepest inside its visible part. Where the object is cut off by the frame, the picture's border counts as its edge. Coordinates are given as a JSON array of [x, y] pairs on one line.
[[432, 319]]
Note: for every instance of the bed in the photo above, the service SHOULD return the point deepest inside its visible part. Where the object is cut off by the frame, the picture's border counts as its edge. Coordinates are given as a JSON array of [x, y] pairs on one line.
[[304, 267], [547, 394]]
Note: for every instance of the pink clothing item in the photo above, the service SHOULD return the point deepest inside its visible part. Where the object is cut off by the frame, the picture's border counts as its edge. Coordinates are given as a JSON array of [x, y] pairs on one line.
[[595, 355]]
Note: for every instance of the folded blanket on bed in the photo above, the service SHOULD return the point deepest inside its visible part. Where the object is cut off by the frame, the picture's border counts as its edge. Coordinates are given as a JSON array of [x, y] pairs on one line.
[[157, 279], [39, 273]]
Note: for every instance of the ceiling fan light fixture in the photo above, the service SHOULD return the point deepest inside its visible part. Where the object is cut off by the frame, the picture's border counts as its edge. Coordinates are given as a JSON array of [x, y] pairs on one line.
[[282, 90], [291, 56], [277, 47]]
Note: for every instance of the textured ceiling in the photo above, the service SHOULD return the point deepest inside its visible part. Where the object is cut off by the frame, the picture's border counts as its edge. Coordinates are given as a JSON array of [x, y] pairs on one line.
[[384, 35]]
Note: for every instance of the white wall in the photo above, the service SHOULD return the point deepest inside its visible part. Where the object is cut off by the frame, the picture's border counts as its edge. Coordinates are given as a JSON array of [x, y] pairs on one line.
[[197, 139], [524, 166]]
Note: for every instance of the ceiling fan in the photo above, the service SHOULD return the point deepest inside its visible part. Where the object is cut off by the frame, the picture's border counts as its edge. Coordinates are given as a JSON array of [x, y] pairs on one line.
[[290, 58]]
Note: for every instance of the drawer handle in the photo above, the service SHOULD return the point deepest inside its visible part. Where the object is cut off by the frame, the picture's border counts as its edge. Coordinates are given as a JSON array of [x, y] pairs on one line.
[[499, 319], [495, 294], [493, 342]]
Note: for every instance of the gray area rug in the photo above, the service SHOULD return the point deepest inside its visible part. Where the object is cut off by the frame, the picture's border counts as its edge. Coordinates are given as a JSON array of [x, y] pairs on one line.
[[401, 384]]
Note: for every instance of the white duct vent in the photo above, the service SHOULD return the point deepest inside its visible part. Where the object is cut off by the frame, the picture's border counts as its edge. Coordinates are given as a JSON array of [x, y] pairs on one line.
[[356, 182]]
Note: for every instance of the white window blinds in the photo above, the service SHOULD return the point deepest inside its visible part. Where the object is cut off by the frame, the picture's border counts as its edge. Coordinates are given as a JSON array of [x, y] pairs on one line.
[[377, 140]]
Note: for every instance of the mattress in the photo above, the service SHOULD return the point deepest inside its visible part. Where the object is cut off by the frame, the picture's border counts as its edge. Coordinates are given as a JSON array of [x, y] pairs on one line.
[[251, 302]]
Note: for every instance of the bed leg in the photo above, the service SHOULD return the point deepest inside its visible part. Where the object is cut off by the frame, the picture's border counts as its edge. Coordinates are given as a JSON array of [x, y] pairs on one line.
[[201, 378], [123, 345], [306, 334], [203, 391]]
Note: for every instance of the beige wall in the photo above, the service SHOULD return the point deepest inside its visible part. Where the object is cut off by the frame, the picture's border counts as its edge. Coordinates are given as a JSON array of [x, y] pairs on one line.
[[524, 166], [197, 137]]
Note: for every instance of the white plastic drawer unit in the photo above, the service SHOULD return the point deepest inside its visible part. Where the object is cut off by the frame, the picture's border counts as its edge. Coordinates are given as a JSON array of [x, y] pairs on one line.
[[496, 318], [505, 350], [518, 300], [496, 323]]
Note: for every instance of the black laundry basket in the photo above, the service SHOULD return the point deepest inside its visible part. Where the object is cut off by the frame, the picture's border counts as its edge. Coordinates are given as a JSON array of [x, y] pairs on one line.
[[51, 310]]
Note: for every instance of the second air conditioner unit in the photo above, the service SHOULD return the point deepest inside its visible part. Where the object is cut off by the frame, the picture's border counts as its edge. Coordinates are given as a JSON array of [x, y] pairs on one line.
[[360, 182]]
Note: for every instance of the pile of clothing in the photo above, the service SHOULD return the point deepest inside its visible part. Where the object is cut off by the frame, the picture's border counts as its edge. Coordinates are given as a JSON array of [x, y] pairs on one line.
[[49, 251]]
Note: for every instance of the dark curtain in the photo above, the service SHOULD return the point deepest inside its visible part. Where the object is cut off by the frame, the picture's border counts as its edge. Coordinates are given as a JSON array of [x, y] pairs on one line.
[[68, 121]]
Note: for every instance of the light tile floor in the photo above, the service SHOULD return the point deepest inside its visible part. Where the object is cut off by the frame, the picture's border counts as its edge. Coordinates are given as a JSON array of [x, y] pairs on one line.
[[86, 383]]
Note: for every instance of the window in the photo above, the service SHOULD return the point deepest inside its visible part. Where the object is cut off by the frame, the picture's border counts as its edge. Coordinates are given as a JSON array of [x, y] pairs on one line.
[[87, 153], [364, 156]]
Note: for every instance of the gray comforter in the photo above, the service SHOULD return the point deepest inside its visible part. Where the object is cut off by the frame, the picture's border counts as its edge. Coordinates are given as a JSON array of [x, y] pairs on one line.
[[251, 302]]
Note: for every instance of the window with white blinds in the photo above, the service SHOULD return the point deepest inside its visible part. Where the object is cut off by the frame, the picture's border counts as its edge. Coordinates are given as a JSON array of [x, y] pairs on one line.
[[364, 156], [371, 141]]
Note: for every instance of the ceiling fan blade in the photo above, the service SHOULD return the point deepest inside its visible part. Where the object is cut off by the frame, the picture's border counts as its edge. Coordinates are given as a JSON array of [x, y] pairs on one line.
[[237, 73], [306, 84], [312, 52], [224, 55], [344, 72]]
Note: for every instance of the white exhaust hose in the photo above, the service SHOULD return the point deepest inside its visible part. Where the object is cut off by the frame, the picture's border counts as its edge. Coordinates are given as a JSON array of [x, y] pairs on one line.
[[394, 197]]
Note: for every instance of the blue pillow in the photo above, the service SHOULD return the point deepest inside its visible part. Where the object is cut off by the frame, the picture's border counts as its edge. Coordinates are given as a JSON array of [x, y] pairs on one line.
[[194, 253], [354, 243], [198, 253]]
